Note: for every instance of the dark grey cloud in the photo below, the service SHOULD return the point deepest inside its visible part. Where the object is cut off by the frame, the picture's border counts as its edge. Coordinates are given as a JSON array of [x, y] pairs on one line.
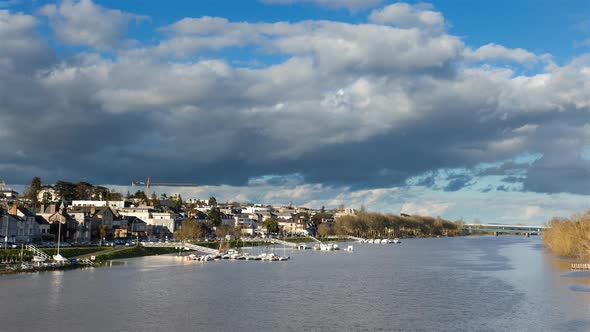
[[359, 106]]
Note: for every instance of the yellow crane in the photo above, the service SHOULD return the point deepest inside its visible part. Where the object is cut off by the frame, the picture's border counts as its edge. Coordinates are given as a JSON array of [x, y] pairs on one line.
[[148, 183]]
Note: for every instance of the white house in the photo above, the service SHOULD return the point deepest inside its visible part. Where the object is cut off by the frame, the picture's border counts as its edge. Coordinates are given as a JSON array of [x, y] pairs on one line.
[[152, 217], [115, 205]]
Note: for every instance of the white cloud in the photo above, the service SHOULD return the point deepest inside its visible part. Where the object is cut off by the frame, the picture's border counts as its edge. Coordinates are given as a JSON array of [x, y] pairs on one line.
[[82, 22], [495, 52], [341, 104], [350, 4], [468, 206], [404, 15]]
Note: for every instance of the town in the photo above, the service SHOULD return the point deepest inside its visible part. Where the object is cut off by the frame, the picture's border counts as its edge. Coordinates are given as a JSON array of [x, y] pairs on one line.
[[81, 214]]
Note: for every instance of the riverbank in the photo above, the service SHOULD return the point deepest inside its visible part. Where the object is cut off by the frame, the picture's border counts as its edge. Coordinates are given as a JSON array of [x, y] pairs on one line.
[[569, 237], [19, 254], [101, 258]]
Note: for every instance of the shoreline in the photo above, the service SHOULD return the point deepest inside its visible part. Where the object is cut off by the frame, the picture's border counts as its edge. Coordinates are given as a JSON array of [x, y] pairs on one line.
[[104, 257]]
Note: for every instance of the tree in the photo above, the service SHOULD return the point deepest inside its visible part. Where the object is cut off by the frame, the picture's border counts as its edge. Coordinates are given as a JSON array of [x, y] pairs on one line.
[[212, 201], [177, 204], [47, 198], [100, 193], [271, 225], [155, 200], [325, 230], [33, 191], [102, 232], [214, 216], [191, 230], [223, 230], [66, 191], [83, 191], [114, 196]]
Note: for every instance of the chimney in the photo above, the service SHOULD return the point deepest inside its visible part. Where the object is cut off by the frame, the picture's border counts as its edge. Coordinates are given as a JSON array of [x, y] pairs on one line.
[[13, 209], [92, 209], [52, 208], [42, 209]]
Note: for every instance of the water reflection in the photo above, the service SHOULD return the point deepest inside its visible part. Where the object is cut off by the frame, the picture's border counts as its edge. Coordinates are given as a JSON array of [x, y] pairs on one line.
[[55, 288], [445, 284]]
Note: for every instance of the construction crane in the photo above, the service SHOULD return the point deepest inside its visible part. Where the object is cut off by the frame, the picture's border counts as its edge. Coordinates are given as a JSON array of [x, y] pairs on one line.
[[148, 183]]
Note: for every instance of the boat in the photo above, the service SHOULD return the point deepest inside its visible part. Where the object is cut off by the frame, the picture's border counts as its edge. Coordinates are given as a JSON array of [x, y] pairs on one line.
[[38, 259], [303, 246], [384, 241], [327, 247], [60, 259], [349, 248], [396, 240]]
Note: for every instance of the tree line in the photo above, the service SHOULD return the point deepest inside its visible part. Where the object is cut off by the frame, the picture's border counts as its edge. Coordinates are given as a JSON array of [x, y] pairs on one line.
[[378, 225], [68, 192], [569, 237]]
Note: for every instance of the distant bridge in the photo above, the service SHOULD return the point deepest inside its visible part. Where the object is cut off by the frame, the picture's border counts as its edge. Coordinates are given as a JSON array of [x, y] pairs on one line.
[[504, 229]]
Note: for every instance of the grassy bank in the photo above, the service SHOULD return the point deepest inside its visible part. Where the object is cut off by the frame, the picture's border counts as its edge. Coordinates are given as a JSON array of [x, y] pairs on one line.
[[132, 252], [66, 252], [569, 237]]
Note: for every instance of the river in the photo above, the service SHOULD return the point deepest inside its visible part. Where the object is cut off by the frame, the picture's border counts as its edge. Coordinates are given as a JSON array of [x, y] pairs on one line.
[[504, 283]]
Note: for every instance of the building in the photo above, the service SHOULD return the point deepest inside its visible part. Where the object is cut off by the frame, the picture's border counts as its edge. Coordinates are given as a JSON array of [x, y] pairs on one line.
[[89, 221], [115, 205], [126, 227], [158, 222]]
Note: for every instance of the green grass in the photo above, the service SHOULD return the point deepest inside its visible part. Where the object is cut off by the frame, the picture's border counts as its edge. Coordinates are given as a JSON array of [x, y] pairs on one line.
[[297, 239], [66, 252], [134, 252]]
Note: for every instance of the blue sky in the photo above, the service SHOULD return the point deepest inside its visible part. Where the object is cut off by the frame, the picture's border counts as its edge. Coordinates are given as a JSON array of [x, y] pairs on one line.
[[464, 109], [541, 26]]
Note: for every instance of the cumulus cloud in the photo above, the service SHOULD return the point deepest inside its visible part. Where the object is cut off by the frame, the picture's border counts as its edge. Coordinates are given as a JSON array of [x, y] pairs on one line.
[[358, 106], [350, 4], [82, 22], [404, 15], [495, 52]]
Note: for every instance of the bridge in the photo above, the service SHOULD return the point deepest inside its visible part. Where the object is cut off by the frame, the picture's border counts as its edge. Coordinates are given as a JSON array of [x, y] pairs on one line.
[[504, 229]]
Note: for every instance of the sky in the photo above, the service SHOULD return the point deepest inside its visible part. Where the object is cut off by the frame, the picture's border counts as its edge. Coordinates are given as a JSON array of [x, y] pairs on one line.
[[473, 110]]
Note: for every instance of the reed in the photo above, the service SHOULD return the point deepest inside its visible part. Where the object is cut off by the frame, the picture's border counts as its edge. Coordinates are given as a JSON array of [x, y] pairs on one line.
[[569, 237]]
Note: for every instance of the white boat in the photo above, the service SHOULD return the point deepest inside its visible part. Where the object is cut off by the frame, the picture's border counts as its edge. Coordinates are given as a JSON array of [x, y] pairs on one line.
[[59, 258], [349, 248], [396, 240], [327, 247], [38, 259], [384, 241]]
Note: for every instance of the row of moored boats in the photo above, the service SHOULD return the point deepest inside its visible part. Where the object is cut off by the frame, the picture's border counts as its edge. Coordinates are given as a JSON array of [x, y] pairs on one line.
[[233, 254], [380, 241]]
